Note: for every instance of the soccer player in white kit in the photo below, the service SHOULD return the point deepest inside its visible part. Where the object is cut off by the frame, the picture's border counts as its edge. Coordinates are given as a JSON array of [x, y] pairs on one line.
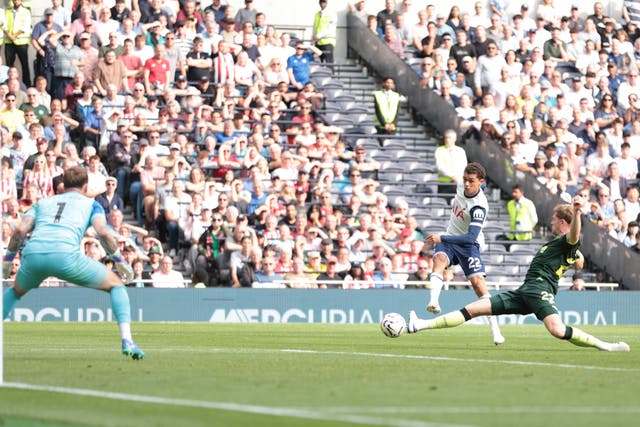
[[461, 243]]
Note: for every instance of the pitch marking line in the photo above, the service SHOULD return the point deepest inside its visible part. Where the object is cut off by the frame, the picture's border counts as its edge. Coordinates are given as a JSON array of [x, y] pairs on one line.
[[459, 359], [505, 410], [310, 414]]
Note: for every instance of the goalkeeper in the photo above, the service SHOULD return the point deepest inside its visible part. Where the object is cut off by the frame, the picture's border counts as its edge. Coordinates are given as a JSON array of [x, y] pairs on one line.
[[57, 225]]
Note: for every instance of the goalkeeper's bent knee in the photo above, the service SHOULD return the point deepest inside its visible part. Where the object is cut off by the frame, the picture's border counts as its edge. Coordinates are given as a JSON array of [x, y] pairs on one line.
[[466, 314], [568, 333]]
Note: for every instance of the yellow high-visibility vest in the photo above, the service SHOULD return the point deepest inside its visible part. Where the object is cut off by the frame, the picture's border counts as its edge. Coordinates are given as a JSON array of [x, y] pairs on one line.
[[388, 106], [16, 20], [324, 27], [519, 220]]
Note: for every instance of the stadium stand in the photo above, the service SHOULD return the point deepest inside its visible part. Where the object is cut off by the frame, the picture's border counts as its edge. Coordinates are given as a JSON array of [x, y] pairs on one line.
[[217, 169]]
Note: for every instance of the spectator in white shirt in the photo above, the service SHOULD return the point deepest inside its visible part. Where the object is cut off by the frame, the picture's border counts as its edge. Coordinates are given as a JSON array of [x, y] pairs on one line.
[[167, 277], [488, 69], [627, 164]]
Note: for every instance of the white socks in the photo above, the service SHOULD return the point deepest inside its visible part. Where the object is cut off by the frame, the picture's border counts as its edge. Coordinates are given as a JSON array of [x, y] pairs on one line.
[[436, 281], [125, 331], [493, 322]]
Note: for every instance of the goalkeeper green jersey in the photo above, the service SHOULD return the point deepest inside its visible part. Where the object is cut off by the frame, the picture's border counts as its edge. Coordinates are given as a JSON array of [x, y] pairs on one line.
[[550, 263]]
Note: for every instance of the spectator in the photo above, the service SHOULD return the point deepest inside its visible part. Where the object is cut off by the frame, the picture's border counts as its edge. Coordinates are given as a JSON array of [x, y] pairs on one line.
[[175, 216], [110, 200], [631, 203], [250, 269], [267, 275], [388, 15], [424, 268], [45, 53], [110, 70], [298, 64], [329, 278], [40, 177], [488, 69], [68, 61], [239, 259], [555, 49], [577, 282], [616, 184], [358, 9], [298, 278], [211, 245], [632, 231], [157, 71], [246, 14], [392, 40], [385, 278], [605, 204], [167, 277], [598, 161]]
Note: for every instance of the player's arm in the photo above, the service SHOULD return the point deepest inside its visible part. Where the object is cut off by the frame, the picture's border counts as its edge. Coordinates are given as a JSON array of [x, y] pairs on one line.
[[578, 263], [109, 242], [17, 240], [104, 234], [576, 222], [20, 234], [463, 239], [478, 214]]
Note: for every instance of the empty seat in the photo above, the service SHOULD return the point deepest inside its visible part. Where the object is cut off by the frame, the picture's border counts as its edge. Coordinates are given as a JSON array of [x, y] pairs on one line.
[[316, 70], [523, 248]]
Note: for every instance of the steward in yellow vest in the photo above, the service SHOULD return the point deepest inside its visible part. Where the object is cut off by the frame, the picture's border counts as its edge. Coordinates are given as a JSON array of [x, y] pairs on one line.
[[387, 102], [324, 31], [522, 215], [17, 37]]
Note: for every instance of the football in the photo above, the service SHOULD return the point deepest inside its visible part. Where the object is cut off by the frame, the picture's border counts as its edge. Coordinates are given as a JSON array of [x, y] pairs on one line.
[[393, 325]]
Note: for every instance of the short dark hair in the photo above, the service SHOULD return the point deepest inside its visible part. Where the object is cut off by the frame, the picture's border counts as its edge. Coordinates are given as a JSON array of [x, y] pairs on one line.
[[476, 169], [75, 177]]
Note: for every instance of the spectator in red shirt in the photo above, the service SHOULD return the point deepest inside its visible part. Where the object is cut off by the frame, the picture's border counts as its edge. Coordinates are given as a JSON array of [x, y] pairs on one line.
[[156, 72]]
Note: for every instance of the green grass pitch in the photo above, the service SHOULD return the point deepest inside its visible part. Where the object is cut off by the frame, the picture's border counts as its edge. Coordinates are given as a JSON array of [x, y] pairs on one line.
[[72, 374]]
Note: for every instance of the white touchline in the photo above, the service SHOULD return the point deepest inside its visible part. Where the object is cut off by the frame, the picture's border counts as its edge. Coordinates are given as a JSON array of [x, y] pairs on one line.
[[503, 410], [461, 359], [310, 414]]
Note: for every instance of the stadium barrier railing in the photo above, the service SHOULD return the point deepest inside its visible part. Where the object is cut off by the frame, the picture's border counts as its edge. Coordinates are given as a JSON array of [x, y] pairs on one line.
[[340, 284]]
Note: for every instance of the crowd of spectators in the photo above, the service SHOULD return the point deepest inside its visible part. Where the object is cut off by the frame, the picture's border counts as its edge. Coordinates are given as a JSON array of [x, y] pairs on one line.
[[558, 92], [205, 144]]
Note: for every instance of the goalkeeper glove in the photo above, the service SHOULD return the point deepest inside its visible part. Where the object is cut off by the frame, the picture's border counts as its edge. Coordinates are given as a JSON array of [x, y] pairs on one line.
[[123, 267], [6, 263]]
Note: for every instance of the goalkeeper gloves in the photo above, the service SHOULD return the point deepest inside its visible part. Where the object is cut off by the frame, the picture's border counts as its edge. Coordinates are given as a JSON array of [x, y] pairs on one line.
[[6, 263], [123, 267]]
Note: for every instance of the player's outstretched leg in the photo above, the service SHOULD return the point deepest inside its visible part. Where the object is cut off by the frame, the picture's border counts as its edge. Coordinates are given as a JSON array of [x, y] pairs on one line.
[[436, 281], [582, 339], [449, 320], [122, 311], [498, 338], [481, 307], [575, 336]]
